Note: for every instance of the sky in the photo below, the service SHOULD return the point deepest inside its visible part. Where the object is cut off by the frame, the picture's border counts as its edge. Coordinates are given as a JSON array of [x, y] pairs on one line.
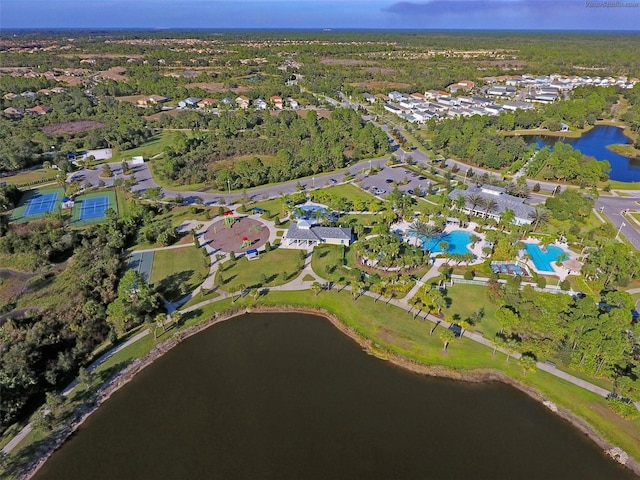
[[389, 14]]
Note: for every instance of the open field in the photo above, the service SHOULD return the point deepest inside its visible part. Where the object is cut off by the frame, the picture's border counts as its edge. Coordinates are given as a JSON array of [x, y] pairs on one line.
[[154, 146], [265, 271], [31, 176], [177, 272], [72, 127]]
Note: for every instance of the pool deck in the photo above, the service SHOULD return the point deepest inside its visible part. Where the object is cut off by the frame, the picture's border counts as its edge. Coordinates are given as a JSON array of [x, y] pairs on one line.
[[561, 272], [403, 226]]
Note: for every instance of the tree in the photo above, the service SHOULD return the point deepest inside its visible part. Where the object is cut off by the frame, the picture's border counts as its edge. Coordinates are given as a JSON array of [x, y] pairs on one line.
[[240, 289], [316, 288], [538, 216], [446, 336]]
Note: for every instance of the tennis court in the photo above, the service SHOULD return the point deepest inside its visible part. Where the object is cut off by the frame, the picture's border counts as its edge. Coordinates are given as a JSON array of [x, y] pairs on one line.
[[142, 263], [95, 207], [41, 203], [91, 208]]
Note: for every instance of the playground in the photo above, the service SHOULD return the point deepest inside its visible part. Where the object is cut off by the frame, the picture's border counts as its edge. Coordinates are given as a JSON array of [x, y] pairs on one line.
[[237, 234]]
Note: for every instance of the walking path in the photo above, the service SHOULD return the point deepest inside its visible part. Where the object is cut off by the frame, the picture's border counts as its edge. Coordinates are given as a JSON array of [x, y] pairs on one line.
[[8, 448]]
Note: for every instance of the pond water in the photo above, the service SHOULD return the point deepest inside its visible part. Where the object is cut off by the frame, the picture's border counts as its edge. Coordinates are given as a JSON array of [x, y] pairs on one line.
[[594, 143], [287, 396]]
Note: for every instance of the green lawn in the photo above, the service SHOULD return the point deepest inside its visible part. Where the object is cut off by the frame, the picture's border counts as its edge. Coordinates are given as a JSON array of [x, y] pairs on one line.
[[265, 271], [348, 191], [465, 300], [177, 272], [364, 219], [24, 178], [155, 145], [327, 262]]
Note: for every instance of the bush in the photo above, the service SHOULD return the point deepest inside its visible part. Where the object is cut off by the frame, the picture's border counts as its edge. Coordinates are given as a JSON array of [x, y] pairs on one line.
[[565, 285], [267, 247], [469, 274], [536, 187], [625, 410], [542, 282], [220, 211]]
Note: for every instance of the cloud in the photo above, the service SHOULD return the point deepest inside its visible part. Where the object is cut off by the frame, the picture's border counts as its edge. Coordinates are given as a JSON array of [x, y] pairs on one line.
[[514, 14]]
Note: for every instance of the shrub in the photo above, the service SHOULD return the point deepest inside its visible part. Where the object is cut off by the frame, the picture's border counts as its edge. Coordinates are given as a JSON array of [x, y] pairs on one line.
[[565, 285], [220, 211], [469, 274], [267, 247], [542, 282], [536, 187], [625, 410]]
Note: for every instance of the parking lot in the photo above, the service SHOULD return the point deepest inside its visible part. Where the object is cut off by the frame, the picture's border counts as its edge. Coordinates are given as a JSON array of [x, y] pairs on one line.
[[381, 183]]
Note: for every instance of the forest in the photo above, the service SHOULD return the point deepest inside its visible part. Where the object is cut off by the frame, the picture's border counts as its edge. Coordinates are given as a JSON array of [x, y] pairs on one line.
[[300, 146]]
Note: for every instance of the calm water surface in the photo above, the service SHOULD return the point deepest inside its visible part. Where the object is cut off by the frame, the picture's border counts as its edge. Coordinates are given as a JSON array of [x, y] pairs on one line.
[[287, 396], [594, 143]]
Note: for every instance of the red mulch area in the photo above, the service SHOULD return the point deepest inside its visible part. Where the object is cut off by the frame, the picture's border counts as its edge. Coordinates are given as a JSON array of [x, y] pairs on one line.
[[221, 237], [72, 127]]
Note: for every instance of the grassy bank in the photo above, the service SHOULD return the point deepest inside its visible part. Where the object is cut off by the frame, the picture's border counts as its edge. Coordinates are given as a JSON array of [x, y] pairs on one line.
[[389, 331]]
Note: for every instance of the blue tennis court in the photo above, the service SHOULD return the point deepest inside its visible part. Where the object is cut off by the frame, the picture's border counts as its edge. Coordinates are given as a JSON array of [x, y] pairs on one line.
[[94, 208], [41, 203]]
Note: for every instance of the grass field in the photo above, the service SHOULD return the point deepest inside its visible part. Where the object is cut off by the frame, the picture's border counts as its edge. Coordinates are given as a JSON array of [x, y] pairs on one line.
[[467, 299], [18, 213], [155, 145], [31, 176], [177, 272], [348, 191], [266, 271], [326, 262], [76, 221]]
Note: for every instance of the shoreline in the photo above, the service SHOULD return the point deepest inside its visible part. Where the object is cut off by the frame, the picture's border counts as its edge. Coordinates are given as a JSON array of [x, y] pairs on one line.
[[126, 375]]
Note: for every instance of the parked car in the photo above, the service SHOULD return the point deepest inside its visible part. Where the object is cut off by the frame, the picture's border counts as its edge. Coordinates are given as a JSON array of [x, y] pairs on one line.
[[410, 191], [333, 181], [380, 191], [389, 180]]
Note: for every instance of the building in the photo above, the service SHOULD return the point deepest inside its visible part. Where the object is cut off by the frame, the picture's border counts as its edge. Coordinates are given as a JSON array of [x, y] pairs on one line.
[[276, 101], [152, 100], [39, 110], [504, 201], [260, 104], [369, 98], [305, 235], [293, 103], [189, 102], [207, 103], [14, 112], [242, 101]]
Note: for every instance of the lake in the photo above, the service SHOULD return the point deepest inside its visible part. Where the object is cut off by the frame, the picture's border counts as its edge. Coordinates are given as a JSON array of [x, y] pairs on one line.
[[594, 143], [287, 396]]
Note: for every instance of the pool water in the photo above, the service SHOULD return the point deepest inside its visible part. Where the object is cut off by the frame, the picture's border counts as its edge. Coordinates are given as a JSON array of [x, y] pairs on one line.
[[543, 260], [457, 241]]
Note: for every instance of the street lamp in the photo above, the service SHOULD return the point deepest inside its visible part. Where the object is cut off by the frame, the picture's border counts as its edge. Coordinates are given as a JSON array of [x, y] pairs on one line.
[[229, 186], [619, 229], [313, 182], [369, 165]]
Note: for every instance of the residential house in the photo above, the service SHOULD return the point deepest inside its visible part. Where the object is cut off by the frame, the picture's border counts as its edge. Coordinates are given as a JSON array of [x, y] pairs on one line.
[[276, 101], [242, 101], [369, 98], [10, 96], [305, 235], [14, 112], [39, 110], [151, 100], [293, 103], [189, 102], [260, 104], [396, 96], [207, 103]]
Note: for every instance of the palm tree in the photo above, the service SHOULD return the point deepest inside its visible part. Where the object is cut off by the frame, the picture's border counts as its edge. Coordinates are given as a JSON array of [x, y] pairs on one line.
[[475, 199], [460, 202], [489, 205], [240, 289], [538, 216], [507, 217], [316, 288], [446, 336]]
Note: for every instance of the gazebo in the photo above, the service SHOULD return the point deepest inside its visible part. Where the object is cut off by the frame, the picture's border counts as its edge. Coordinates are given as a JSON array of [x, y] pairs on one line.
[[573, 265]]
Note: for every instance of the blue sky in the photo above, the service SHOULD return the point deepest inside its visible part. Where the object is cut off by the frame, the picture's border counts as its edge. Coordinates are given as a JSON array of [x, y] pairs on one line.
[[429, 14]]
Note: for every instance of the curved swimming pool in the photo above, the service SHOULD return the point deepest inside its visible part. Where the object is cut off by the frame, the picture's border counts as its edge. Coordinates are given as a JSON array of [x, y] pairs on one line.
[[457, 242], [543, 259]]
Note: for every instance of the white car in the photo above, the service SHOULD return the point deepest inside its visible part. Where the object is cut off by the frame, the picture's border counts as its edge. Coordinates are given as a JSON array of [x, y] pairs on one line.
[[380, 191]]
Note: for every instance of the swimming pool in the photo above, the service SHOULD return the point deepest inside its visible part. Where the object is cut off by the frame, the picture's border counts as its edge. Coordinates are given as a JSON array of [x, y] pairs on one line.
[[543, 260], [457, 242]]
